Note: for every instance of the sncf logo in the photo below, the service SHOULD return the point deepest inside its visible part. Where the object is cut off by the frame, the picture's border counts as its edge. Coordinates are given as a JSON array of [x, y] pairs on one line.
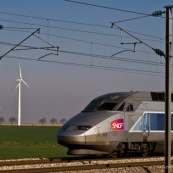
[[117, 124]]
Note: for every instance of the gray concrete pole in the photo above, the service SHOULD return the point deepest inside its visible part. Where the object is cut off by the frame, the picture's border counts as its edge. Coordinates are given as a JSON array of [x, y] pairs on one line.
[[168, 59]]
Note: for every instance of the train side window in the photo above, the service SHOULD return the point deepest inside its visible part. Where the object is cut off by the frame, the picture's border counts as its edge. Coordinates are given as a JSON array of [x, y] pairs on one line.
[[130, 108], [158, 96]]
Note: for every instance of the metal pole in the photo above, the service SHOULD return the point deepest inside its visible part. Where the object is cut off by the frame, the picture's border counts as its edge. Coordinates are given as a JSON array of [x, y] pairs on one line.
[[168, 58]]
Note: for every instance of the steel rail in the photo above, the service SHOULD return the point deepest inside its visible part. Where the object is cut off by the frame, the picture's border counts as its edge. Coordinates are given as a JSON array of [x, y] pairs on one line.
[[85, 167], [63, 160], [29, 162]]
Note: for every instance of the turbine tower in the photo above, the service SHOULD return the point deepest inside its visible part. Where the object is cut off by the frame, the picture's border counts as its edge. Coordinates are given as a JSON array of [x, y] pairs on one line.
[[20, 80]]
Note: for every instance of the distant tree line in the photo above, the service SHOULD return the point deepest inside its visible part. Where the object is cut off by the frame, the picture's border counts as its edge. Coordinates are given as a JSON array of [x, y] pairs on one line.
[[12, 120], [42, 121], [52, 121]]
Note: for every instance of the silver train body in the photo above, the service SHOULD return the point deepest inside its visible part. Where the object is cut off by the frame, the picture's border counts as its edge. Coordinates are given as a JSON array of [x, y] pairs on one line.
[[116, 124]]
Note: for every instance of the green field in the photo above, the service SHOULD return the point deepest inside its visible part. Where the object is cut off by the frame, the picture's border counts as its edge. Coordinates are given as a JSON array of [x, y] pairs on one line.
[[29, 142]]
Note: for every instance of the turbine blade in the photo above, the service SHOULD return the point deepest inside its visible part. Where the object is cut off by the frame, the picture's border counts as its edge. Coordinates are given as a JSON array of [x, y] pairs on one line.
[[21, 79], [24, 83], [17, 86], [20, 71]]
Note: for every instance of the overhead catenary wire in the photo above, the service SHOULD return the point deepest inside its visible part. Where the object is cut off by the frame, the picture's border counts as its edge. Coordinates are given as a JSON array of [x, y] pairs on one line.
[[85, 31], [67, 21], [143, 72], [130, 19], [81, 23], [92, 33], [54, 49], [18, 28], [75, 53], [106, 7], [100, 56], [78, 30], [93, 55], [85, 54], [70, 22], [154, 14], [86, 41]]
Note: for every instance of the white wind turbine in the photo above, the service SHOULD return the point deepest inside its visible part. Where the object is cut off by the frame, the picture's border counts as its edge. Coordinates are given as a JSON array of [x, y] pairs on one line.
[[20, 80]]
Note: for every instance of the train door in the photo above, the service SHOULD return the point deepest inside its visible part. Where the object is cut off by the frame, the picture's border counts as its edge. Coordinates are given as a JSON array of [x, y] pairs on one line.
[[129, 115], [145, 126]]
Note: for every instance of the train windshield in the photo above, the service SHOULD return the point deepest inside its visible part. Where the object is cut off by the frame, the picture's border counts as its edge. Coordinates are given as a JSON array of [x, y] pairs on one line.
[[107, 106], [105, 103]]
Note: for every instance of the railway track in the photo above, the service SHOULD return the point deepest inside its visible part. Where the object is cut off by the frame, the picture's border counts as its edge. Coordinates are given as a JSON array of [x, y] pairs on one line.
[[29, 162], [62, 160], [59, 165]]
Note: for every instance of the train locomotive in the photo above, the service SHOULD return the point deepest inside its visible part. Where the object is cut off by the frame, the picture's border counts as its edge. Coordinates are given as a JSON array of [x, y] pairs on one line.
[[117, 123]]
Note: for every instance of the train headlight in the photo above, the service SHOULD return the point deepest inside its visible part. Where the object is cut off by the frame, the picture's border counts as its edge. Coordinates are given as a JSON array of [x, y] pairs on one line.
[[84, 127], [75, 127], [70, 128]]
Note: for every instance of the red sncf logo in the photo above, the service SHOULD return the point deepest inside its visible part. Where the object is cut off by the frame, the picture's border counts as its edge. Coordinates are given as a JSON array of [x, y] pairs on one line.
[[117, 124]]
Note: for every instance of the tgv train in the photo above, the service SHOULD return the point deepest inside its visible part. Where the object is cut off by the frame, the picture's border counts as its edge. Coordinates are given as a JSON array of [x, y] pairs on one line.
[[116, 124]]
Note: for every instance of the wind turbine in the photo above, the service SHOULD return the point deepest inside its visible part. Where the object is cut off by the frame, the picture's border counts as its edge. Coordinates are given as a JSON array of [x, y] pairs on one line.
[[20, 80]]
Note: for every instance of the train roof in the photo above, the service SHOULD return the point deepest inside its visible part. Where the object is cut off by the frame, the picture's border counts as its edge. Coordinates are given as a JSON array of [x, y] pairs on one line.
[[140, 95], [117, 100]]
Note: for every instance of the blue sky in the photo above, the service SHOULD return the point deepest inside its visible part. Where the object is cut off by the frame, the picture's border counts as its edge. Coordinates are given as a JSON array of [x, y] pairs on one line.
[[83, 68]]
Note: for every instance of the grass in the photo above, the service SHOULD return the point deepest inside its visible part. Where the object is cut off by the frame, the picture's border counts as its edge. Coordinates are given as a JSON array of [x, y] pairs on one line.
[[29, 142]]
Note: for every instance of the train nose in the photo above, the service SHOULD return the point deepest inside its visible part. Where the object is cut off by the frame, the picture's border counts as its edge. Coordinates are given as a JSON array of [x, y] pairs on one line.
[[70, 138], [70, 135]]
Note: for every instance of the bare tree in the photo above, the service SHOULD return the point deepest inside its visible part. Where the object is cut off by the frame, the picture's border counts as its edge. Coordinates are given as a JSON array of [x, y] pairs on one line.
[[62, 121], [53, 121], [42, 121], [12, 120], [2, 120]]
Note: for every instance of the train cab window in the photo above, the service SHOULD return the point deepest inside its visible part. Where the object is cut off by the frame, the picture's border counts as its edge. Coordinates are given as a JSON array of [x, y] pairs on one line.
[[108, 102], [107, 106], [130, 108]]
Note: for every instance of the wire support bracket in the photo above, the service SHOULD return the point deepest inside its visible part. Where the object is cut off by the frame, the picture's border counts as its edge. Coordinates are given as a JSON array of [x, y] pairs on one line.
[[37, 30], [127, 50], [57, 53], [157, 51]]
